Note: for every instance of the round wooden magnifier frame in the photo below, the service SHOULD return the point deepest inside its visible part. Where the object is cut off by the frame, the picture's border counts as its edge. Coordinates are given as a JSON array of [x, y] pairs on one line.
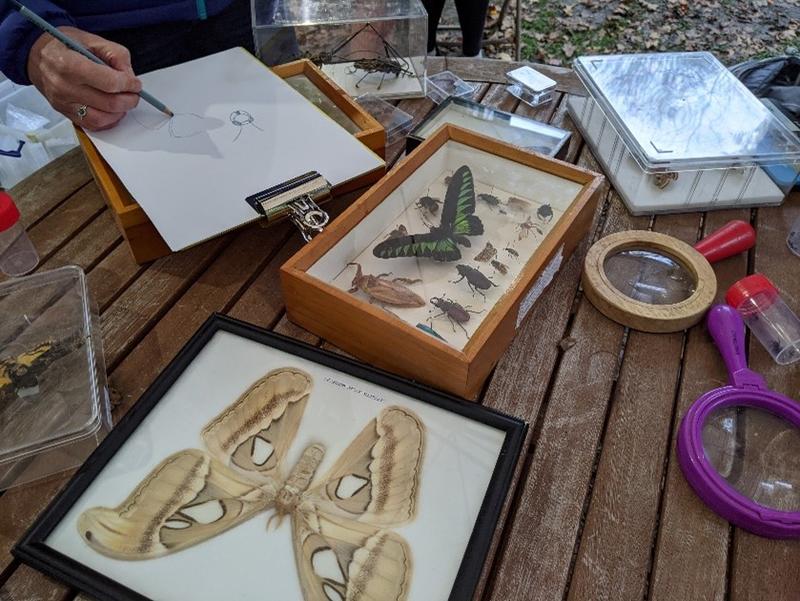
[[639, 315]]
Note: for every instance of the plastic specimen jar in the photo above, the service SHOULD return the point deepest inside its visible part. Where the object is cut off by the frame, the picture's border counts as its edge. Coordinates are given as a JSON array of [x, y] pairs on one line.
[[770, 319], [17, 254], [794, 238]]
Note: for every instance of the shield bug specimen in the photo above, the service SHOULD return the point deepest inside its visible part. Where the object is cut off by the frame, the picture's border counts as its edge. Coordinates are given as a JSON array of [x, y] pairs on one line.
[[545, 213], [455, 313], [383, 290], [476, 281], [487, 253]]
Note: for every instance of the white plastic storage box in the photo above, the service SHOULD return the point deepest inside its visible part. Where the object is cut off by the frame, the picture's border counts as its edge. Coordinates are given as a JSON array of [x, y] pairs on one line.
[[365, 46], [32, 133], [53, 401], [678, 132]]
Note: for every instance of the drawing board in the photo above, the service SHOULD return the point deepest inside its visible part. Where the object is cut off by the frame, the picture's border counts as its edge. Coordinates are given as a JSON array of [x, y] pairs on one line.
[[238, 129]]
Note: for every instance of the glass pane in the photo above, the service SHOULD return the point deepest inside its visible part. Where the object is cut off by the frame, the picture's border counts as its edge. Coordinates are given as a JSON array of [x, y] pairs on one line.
[[758, 454], [649, 276], [306, 87]]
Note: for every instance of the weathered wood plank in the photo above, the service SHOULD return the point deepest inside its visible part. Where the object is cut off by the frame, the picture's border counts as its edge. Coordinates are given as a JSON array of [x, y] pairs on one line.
[[89, 246], [494, 71], [690, 556], [26, 584]]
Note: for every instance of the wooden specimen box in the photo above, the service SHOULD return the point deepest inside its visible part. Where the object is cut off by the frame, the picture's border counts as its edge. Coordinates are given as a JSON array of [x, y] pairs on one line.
[[431, 272], [144, 241]]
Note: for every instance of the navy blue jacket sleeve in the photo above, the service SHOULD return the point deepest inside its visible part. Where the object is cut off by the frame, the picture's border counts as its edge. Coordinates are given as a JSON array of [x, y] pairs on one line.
[[17, 35]]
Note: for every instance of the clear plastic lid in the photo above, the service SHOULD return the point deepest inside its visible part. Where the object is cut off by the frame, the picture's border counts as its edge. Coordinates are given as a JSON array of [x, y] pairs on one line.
[[314, 12], [531, 79], [445, 84], [396, 122], [685, 111], [52, 375]]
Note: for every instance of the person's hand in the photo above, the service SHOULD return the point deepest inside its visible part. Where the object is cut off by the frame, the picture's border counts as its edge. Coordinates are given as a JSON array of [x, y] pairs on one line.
[[69, 80]]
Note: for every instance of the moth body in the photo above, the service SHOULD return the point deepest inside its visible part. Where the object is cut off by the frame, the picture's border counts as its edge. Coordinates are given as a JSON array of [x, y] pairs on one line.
[[300, 477]]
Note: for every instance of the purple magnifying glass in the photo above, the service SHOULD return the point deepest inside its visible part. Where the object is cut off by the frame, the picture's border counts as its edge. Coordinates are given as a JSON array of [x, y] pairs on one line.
[[739, 445]]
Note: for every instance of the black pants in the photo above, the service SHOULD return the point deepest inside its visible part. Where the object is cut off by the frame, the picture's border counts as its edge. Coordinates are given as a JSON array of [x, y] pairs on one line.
[[156, 46], [471, 17]]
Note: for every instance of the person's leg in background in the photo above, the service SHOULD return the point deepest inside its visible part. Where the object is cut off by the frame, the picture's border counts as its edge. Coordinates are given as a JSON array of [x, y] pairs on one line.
[[434, 9], [472, 18]]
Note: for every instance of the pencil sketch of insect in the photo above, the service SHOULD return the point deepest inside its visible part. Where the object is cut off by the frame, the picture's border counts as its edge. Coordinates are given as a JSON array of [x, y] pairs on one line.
[[476, 281], [389, 292], [501, 267], [545, 213], [491, 201], [455, 313], [488, 252], [526, 227], [241, 118]]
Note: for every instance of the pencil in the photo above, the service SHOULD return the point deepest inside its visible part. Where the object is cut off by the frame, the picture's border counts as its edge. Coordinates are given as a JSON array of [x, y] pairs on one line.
[[77, 47]]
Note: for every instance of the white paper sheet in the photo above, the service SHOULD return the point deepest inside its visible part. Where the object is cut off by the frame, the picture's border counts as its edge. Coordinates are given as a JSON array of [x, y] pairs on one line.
[[238, 129]]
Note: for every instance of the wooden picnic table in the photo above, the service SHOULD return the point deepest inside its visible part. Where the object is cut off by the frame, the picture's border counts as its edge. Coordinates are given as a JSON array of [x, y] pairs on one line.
[[599, 509]]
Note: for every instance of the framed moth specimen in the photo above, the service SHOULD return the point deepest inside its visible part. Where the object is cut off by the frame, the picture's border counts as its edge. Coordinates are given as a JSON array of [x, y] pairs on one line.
[[257, 467]]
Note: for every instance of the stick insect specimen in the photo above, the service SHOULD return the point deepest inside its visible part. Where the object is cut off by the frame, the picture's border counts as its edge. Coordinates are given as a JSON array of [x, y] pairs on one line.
[[385, 291], [343, 545], [457, 222], [455, 313]]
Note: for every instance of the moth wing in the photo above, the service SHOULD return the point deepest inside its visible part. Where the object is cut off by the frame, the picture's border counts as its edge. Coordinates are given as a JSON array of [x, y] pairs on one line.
[[459, 200], [342, 560], [188, 498], [376, 479], [418, 245], [254, 434]]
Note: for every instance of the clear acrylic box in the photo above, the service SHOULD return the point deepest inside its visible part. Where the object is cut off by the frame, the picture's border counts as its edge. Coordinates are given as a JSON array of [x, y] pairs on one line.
[[396, 122], [369, 46], [53, 401], [445, 84], [678, 132], [530, 86]]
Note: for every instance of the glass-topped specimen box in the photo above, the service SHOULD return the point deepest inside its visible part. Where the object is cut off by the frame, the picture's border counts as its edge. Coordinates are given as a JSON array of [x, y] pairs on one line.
[[365, 46], [526, 133], [678, 132], [431, 272]]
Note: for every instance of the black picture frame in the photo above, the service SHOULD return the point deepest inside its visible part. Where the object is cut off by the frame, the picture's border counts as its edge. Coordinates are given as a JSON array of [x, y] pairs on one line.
[[33, 550], [414, 138]]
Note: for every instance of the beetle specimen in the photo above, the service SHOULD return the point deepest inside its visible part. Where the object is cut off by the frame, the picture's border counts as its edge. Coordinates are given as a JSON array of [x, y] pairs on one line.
[[511, 252], [487, 253], [429, 204], [526, 227], [400, 230], [455, 313], [383, 290], [491, 200], [429, 330], [501, 267], [475, 279], [545, 213]]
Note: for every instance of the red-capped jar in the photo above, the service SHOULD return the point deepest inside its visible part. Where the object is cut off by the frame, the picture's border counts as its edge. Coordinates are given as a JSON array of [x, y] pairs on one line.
[[17, 254], [770, 319]]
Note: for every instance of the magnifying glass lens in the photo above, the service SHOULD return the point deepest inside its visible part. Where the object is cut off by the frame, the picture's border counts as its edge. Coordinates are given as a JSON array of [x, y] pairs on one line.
[[649, 276], [757, 453]]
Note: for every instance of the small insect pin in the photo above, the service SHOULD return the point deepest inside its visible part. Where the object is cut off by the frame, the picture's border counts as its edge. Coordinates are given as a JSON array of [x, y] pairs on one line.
[[455, 313], [488, 252], [383, 290], [476, 281]]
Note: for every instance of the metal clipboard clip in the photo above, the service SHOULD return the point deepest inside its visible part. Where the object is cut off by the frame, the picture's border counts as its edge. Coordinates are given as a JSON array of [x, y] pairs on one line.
[[298, 199]]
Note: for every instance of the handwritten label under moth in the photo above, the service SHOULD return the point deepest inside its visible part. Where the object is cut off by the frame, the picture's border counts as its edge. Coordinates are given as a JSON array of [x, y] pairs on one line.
[[343, 545]]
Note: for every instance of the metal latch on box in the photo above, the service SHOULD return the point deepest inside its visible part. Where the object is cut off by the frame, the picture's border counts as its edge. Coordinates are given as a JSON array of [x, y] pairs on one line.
[[298, 199]]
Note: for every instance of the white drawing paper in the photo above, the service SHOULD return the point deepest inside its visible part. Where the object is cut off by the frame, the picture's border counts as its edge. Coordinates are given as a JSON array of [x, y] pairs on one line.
[[238, 130]]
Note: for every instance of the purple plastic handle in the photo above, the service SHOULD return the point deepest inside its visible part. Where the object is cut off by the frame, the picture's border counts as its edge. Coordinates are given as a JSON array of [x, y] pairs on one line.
[[746, 389]]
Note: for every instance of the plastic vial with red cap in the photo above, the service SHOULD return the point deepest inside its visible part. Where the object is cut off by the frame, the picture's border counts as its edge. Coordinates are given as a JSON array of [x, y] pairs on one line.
[[770, 319], [17, 254]]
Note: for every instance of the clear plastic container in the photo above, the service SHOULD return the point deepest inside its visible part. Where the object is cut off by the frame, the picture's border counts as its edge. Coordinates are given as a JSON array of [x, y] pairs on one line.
[[17, 253], [530, 86], [775, 325], [53, 402], [396, 122], [445, 84], [678, 132], [793, 240]]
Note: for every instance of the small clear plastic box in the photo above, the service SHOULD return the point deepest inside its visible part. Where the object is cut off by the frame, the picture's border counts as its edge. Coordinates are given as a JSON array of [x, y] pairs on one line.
[[530, 86], [677, 132], [54, 408], [445, 84], [396, 122]]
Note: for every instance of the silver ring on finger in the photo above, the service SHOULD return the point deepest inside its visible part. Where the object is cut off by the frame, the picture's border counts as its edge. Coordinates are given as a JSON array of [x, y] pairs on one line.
[[82, 111]]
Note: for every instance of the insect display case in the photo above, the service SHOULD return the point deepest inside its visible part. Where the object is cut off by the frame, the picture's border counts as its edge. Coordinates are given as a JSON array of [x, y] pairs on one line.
[[299, 475], [370, 46], [143, 239], [430, 273], [53, 402], [678, 132], [520, 131]]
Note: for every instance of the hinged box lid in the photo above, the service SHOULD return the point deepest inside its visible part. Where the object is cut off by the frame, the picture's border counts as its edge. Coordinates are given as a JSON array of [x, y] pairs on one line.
[[52, 374], [685, 111]]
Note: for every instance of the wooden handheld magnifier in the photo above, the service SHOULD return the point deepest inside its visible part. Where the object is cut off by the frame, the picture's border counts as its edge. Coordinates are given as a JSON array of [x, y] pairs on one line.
[[656, 283]]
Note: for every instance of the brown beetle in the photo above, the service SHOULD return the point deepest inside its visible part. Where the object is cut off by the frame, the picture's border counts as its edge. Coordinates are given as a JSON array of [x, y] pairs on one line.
[[388, 292], [455, 313]]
